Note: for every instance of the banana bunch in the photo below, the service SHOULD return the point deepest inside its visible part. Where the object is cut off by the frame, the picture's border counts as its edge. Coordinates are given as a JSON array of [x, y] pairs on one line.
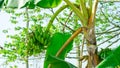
[[39, 37]]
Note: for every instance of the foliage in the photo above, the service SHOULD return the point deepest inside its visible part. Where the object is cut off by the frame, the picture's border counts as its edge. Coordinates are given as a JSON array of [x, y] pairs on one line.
[[111, 61], [48, 3], [107, 31], [5, 31], [30, 3], [1, 3], [26, 43], [37, 42], [39, 37], [107, 28], [58, 63], [56, 43], [104, 53]]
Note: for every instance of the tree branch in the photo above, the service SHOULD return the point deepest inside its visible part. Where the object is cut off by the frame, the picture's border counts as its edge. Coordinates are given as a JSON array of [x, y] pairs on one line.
[[54, 16], [113, 42], [108, 18], [109, 39], [78, 13], [106, 1], [69, 40], [65, 21], [27, 37], [106, 32], [92, 16], [90, 7], [84, 9]]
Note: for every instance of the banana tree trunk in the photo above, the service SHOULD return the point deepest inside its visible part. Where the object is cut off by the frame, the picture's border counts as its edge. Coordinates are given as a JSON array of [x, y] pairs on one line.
[[93, 59], [89, 33]]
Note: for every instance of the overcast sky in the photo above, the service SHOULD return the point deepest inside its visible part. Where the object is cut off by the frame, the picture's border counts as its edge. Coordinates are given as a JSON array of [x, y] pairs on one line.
[[4, 24]]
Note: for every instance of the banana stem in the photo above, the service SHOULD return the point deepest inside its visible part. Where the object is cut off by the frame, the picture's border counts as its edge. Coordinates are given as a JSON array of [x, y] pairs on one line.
[[70, 39], [54, 16], [78, 13]]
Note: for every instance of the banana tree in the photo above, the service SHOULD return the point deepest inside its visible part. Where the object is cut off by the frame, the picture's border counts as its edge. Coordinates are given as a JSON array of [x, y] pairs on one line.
[[87, 17], [84, 9]]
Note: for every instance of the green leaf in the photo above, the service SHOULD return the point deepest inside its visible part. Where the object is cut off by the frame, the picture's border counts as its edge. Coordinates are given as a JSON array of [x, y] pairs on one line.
[[1, 3], [104, 53], [26, 3], [48, 3], [11, 3], [18, 28], [57, 41], [5, 31], [19, 3], [59, 63], [111, 61], [30, 3]]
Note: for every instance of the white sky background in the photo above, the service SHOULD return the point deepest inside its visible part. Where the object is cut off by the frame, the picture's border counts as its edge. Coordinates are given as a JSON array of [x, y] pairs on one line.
[[4, 24]]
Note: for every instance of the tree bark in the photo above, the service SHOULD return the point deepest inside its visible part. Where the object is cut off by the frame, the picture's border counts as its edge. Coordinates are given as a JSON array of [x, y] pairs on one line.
[[27, 62], [93, 59]]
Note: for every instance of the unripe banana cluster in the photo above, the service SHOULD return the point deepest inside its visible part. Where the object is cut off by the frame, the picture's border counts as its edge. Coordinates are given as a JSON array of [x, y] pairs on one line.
[[39, 38]]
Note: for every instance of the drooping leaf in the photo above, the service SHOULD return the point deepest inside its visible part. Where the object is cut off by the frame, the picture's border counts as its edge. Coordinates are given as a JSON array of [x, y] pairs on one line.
[[48, 3], [11, 3], [19, 3], [30, 3], [1, 3], [58, 63], [57, 41], [112, 61], [26, 3]]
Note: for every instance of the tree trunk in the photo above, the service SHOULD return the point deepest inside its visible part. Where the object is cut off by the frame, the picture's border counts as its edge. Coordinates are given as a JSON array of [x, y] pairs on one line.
[[89, 33], [27, 62], [93, 59]]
